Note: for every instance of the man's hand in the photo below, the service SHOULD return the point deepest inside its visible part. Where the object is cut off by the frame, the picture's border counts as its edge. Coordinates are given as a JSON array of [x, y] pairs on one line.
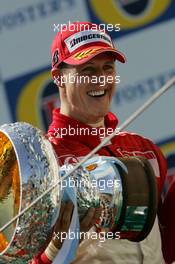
[[64, 220]]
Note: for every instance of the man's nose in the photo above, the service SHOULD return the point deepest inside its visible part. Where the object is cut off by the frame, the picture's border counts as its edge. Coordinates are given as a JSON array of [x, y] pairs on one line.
[[101, 78]]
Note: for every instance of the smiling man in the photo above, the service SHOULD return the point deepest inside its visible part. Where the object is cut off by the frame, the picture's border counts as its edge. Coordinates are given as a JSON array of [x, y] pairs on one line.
[[89, 56], [85, 105], [88, 99]]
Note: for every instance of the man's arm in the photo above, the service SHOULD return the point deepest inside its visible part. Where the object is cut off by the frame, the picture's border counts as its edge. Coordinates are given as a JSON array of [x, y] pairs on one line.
[[62, 225]]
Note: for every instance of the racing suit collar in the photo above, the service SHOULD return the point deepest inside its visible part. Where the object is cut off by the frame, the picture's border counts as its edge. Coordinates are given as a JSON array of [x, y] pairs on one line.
[[61, 121]]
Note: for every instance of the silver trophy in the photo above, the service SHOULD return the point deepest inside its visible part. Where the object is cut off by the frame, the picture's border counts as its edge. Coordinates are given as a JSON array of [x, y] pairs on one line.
[[125, 189]]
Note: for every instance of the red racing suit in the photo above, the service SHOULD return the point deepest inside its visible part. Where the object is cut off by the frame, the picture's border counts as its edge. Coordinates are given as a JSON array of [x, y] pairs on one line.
[[69, 143]]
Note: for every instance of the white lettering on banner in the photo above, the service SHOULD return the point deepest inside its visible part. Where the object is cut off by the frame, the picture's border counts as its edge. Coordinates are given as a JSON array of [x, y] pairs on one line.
[[32, 12], [87, 36]]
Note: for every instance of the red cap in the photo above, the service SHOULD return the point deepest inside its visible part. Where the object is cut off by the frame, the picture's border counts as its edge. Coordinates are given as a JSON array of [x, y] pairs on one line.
[[79, 42]]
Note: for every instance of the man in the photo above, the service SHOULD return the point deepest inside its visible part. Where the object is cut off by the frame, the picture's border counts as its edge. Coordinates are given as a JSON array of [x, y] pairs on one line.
[[83, 51]]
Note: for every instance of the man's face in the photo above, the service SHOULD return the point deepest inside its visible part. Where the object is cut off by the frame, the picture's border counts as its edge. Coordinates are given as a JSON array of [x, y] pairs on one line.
[[88, 99]]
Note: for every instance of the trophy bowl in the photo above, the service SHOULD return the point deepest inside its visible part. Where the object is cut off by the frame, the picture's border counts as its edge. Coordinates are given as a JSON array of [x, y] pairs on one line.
[[28, 167]]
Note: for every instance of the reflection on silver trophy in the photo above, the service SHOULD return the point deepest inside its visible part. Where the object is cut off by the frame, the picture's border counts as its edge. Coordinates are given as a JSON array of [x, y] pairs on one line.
[[126, 190]]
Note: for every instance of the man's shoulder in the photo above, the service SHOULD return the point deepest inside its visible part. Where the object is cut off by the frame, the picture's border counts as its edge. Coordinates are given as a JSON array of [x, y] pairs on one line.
[[133, 140], [133, 144]]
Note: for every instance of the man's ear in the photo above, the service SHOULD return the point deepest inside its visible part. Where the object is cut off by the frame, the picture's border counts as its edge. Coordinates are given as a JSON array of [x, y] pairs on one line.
[[55, 76]]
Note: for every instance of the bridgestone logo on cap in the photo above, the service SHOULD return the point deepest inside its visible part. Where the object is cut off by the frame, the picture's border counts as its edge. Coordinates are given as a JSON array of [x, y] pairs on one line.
[[87, 36]]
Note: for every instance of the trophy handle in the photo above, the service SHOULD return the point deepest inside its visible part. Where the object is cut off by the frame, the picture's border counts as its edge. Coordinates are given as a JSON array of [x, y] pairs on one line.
[[139, 193]]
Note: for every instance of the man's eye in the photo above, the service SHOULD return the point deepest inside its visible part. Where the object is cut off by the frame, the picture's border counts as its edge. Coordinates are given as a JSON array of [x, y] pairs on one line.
[[88, 70], [108, 67]]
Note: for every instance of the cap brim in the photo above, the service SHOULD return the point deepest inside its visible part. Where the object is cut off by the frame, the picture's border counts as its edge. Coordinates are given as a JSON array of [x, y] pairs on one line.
[[87, 54]]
